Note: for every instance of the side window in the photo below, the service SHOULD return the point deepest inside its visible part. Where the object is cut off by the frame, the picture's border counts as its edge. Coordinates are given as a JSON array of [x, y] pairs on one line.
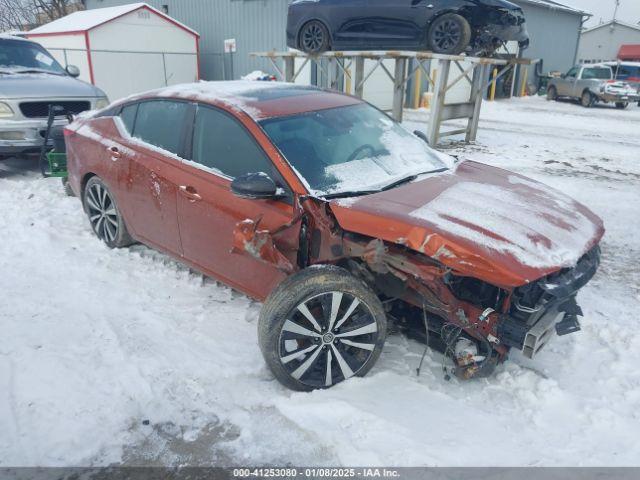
[[161, 123], [128, 116], [572, 73], [221, 143]]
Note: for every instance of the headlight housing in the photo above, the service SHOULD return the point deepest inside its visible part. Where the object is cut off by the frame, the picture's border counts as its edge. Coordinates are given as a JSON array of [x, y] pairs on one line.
[[102, 103], [5, 110]]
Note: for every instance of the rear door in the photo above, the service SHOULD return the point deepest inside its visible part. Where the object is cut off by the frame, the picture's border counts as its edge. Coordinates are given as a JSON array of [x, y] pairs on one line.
[[155, 140], [208, 212], [401, 23]]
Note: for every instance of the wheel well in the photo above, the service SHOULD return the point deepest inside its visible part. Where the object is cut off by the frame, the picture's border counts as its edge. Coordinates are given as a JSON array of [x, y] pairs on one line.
[[307, 23], [84, 181]]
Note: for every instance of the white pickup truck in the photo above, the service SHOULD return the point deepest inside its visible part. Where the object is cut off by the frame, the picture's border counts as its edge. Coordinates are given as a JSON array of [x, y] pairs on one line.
[[592, 84]]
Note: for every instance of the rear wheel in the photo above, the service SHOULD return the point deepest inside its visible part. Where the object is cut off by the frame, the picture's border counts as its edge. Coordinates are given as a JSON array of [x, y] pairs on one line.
[[587, 100], [449, 34], [105, 218], [320, 327], [622, 105], [552, 94], [314, 38]]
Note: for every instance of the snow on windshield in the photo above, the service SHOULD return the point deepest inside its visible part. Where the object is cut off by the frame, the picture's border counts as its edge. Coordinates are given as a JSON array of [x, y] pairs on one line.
[[351, 149], [548, 230]]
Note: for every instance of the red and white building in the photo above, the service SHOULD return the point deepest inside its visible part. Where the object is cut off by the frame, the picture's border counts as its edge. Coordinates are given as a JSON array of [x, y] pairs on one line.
[[125, 49]]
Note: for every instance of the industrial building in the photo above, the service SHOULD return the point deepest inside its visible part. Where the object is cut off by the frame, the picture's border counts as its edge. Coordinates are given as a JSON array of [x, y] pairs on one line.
[[259, 25], [603, 42]]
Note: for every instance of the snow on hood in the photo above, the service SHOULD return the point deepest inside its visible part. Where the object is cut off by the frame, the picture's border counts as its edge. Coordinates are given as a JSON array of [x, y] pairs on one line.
[[481, 221], [43, 85]]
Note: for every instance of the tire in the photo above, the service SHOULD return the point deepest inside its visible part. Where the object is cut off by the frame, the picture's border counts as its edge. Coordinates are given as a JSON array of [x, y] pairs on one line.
[[622, 105], [104, 216], [297, 316], [552, 94], [449, 34], [587, 100], [314, 38], [67, 187]]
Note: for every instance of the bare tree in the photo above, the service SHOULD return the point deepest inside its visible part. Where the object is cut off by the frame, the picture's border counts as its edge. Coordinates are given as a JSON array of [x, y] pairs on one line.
[[16, 14], [54, 9]]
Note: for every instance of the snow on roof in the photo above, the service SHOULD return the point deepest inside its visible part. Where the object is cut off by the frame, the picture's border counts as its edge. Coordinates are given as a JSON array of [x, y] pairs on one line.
[[556, 6], [12, 36], [87, 19], [611, 23]]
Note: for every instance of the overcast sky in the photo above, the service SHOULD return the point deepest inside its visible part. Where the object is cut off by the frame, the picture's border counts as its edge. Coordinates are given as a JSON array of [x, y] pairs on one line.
[[629, 10]]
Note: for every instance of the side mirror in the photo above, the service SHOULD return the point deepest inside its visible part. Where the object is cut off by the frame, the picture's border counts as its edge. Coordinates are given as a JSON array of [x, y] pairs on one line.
[[255, 186], [421, 136], [73, 71]]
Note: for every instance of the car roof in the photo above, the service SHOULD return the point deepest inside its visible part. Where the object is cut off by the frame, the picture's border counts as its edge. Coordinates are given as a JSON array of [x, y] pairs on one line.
[[260, 100]]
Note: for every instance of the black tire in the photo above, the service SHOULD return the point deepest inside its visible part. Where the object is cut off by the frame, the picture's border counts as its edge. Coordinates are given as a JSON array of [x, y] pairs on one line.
[[552, 94], [314, 38], [622, 105], [67, 187], [449, 34], [327, 353], [104, 216], [587, 100]]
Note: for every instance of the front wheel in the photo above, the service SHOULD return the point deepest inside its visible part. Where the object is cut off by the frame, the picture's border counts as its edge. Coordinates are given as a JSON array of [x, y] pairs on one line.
[[587, 100], [105, 217], [449, 34], [622, 105], [320, 327]]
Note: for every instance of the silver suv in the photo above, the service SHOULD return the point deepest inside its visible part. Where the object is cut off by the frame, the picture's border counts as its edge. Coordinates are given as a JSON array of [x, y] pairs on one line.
[[591, 84], [31, 80]]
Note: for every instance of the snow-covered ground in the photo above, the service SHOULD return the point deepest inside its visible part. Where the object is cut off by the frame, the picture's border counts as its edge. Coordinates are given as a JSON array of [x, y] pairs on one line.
[[127, 356]]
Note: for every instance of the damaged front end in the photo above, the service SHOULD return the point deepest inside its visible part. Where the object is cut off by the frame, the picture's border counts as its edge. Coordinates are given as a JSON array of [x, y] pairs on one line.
[[472, 322], [496, 26]]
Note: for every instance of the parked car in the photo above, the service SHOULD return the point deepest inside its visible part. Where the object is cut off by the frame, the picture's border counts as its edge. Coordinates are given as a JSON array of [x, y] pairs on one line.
[[445, 26], [30, 81], [628, 72], [340, 220], [592, 84]]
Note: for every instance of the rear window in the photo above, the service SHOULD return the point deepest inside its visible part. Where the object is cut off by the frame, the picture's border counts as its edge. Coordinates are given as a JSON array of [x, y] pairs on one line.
[[596, 73], [160, 123]]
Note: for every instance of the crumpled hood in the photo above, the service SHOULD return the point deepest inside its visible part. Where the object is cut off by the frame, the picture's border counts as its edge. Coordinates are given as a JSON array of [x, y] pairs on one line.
[[481, 221], [42, 85]]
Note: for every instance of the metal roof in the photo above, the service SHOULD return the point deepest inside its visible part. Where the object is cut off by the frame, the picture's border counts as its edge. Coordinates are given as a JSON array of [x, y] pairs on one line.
[[85, 20], [552, 5], [612, 23]]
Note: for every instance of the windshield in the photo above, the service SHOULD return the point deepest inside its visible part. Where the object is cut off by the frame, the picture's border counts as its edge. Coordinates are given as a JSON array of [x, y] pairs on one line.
[[597, 74], [351, 149], [17, 56]]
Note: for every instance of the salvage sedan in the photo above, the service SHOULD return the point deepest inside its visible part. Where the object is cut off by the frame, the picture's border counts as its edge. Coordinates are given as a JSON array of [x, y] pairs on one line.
[[340, 221], [447, 26]]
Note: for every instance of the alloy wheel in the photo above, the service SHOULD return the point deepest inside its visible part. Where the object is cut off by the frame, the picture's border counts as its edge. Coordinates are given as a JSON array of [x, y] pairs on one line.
[[313, 38], [327, 339], [102, 213], [447, 35]]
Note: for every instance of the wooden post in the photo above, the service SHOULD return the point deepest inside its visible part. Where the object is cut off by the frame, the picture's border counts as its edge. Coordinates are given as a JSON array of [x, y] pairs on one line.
[[399, 88], [494, 84], [479, 74], [359, 77], [523, 89], [417, 88], [289, 68], [439, 95]]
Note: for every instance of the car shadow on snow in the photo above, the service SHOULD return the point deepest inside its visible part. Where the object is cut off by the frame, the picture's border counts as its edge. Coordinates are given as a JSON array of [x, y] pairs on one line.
[[19, 167]]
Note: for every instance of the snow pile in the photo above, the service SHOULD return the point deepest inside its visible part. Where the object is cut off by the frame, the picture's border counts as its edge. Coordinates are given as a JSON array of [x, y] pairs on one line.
[[547, 231]]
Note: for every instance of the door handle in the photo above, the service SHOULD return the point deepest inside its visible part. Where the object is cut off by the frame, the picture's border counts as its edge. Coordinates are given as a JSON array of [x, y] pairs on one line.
[[190, 193], [115, 153]]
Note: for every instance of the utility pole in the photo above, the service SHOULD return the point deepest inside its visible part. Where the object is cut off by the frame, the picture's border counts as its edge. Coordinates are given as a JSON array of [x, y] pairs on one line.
[[615, 12]]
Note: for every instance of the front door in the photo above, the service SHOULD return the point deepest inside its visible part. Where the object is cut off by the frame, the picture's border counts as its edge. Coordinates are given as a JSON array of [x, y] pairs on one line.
[[565, 86], [208, 212], [154, 141]]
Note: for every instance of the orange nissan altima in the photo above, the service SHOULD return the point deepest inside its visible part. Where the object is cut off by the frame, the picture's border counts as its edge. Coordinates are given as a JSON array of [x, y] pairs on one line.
[[340, 221]]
